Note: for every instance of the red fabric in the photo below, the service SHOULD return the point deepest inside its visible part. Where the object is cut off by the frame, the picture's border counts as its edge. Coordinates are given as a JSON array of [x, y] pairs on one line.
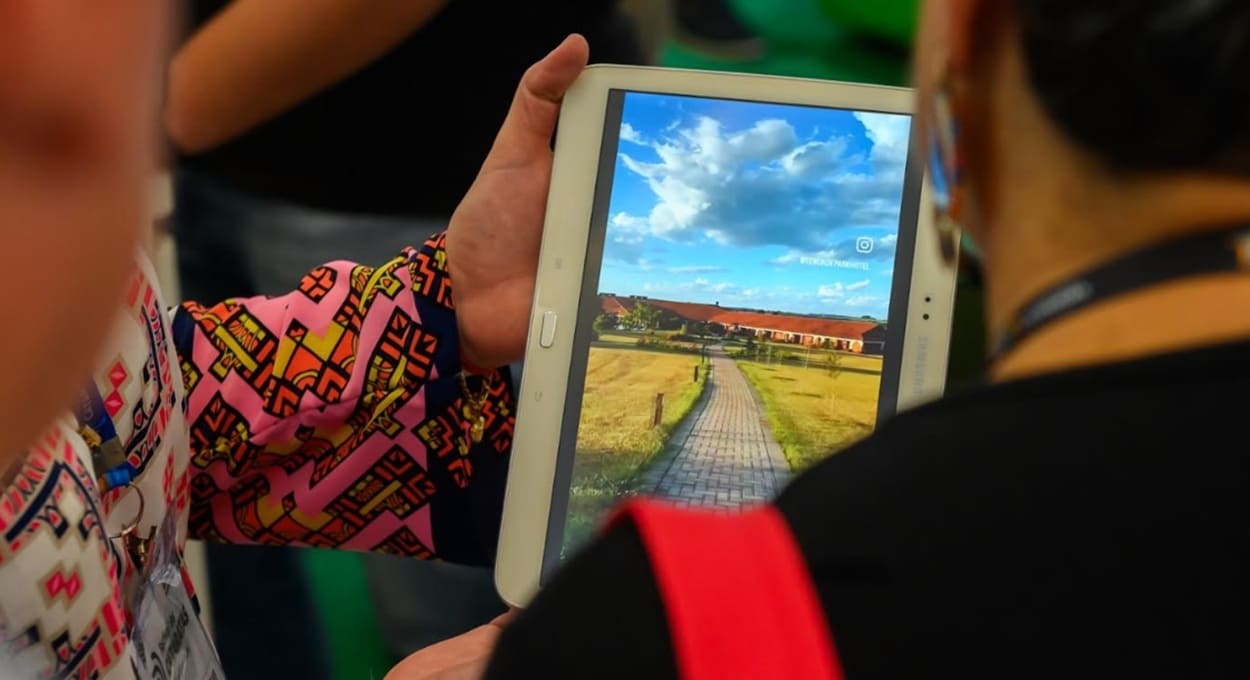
[[739, 599]]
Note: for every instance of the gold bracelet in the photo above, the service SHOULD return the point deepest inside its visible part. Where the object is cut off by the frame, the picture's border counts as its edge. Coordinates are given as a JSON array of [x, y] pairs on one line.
[[474, 404]]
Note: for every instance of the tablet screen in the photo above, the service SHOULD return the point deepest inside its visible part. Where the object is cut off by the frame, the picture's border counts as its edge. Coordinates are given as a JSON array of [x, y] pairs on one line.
[[735, 324]]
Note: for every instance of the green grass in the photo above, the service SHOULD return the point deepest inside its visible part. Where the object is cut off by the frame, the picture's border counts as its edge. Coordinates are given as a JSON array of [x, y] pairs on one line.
[[813, 414], [615, 437], [627, 340], [800, 354]]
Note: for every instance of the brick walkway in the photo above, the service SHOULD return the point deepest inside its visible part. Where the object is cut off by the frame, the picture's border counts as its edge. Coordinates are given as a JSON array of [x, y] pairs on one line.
[[724, 454]]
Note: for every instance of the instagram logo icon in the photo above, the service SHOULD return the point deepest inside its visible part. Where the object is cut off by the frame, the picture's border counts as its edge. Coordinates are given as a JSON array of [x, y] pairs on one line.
[[864, 245]]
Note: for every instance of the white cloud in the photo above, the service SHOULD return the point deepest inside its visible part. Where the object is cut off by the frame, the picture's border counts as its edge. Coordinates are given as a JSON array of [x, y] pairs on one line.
[[813, 257], [764, 142], [890, 135], [679, 198], [702, 284], [839, 291], [627, 228], [629, 134], [762, 185], [863, 301], [814, 158], [832, 292], [625, 239], [843, 256], [696, 269]]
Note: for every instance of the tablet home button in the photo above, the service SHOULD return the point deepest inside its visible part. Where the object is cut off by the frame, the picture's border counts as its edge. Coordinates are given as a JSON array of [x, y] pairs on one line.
[[547, 334]]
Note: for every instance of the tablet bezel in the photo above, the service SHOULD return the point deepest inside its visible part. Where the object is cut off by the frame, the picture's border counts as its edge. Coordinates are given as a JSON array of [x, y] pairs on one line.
[[923, 301]]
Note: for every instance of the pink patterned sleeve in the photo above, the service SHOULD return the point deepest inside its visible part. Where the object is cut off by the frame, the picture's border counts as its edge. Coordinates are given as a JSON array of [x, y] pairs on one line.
[[334, 416]]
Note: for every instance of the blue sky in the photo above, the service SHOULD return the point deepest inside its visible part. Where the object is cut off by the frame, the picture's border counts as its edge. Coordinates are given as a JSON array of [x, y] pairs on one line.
[[756, 205]]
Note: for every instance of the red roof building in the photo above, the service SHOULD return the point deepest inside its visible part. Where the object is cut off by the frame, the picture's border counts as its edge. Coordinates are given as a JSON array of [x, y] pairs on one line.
[[854, 336]]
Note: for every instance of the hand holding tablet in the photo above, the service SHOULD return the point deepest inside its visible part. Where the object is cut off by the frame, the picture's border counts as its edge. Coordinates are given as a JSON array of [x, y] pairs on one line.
[[493, 238], [736, 279]]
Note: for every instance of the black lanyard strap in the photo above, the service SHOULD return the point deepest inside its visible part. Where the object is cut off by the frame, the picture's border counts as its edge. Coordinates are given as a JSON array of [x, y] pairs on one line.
[[1208, 252]]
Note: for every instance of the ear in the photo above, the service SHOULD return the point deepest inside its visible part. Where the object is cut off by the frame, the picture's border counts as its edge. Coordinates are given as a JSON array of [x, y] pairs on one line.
[[962, 18], [947, 44], [977, 33]]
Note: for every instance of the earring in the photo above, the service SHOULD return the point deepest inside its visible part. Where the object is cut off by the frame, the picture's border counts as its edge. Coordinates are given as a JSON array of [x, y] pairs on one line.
[[946, 172]]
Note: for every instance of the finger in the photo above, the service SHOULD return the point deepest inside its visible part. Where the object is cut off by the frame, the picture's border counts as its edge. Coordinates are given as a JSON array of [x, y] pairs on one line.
[[536, 106], [467, 650], [505, 618]]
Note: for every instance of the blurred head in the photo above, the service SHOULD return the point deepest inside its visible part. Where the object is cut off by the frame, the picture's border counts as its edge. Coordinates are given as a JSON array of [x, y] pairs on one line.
[[77, 104], [1115, 110]]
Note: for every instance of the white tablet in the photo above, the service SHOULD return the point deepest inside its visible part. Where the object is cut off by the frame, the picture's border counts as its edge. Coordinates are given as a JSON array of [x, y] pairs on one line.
[[738, 278]]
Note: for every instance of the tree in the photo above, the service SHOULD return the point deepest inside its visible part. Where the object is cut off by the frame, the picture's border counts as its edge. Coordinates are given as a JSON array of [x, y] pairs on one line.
[[833, 367], [604, 323], [642, 317], [645, 316], [826, 344]]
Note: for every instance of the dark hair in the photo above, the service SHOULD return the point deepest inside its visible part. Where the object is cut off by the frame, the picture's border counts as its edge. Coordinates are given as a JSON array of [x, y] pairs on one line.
[[1147, 85]]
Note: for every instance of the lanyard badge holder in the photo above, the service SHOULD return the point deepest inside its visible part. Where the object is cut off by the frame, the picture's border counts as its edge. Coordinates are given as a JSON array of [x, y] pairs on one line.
[[168, 639]]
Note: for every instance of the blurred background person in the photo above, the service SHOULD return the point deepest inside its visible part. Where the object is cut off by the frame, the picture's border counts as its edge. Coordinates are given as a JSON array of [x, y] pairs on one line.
[[341, 129]]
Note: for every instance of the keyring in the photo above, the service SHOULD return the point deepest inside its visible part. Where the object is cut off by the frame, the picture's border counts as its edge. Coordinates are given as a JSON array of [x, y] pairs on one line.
[[133, 525]]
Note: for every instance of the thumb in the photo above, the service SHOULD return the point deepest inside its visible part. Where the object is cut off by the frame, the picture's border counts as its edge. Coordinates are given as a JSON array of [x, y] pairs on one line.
[[536, 107]]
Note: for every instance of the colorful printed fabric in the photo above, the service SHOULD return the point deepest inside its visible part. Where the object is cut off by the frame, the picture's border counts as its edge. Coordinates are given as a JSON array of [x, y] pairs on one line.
[[330, 417], [61, 577]]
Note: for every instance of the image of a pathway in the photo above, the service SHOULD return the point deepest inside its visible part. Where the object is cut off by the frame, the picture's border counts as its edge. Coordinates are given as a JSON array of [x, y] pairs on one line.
[[724, 454]]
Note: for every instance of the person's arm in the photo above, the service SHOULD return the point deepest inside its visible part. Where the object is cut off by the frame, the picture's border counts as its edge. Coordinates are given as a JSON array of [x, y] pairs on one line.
[[333, 416], [258, 58], [336, 416]]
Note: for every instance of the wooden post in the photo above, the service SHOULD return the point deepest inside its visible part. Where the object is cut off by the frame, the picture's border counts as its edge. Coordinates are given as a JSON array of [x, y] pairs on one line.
[[696, 373], [659, 410]]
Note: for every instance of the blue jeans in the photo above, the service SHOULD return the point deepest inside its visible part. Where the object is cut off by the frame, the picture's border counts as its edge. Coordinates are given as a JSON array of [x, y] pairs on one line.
[[231, 245]]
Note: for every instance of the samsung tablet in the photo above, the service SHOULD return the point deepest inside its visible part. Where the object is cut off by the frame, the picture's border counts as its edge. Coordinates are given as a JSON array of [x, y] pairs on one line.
[[738, 278]]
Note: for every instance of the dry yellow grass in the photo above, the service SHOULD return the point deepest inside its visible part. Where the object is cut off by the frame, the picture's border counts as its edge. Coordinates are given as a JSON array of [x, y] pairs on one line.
[[621, 385], [813, 414], [615, 437]]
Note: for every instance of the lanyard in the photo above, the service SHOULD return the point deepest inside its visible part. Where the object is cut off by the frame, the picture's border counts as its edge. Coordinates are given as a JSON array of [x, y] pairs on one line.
[[168, 639], [1212, 252], [108, 458], [111, 467]]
